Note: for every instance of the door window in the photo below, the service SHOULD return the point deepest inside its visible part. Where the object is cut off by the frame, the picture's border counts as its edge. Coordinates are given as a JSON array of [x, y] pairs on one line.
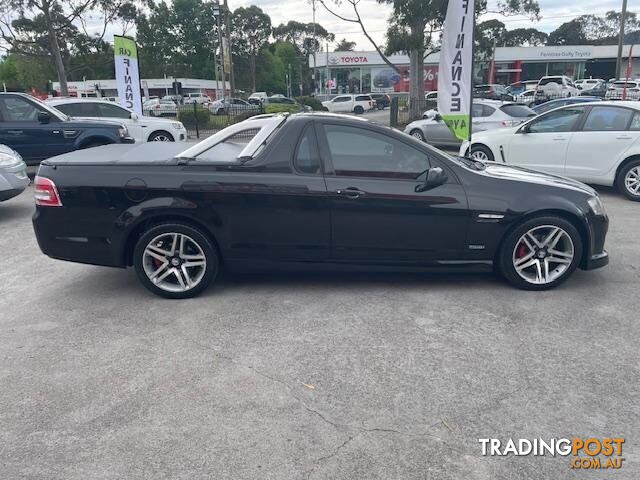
[[357, 152], [307, 160], [341, 99], [80, 109], [113, 111], [635, 123], [607, 119], [16, 109], [557, 122]]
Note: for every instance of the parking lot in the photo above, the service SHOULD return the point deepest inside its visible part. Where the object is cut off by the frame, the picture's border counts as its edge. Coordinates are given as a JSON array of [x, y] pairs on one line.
[[385, 376]]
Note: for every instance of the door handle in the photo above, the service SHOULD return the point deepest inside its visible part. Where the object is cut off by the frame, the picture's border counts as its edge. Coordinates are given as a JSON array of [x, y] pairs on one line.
[[15, 132], [559, 139], [623, 137], [351, 192]]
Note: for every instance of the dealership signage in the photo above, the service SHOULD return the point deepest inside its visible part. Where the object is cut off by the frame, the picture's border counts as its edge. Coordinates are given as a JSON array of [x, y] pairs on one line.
[[127, 74], [456, 66]]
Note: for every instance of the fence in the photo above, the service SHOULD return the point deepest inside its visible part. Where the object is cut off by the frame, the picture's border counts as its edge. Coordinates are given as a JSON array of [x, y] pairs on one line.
[[202, 120]]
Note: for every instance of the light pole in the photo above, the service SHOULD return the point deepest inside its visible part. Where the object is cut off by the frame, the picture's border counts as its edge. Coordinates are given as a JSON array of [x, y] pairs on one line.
[[216, 10], [623, 18]]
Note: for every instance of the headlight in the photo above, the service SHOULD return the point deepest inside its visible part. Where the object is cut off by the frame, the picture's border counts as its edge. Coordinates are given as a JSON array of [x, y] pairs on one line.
[[9, 159], [596, 206], [177, 125], [123, 132]]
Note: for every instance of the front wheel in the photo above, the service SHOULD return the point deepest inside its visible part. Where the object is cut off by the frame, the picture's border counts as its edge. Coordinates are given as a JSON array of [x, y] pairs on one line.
[[358, 110], [481, 153], [161, 136], [628, 180], [541, 253], [175, 260], [416, 133]]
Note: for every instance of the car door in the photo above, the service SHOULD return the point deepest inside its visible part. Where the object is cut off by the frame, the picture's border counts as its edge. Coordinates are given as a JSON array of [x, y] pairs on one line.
[[598, 146], [138, 128], [377, 214], [21, 129], [542, 143], [341, 104]]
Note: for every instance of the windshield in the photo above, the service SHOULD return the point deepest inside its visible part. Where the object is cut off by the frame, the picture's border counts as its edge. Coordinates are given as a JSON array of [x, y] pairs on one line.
[[50, 109], [518, 111]]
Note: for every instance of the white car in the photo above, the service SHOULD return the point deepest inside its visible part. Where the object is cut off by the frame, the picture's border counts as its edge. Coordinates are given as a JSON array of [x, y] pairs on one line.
[[528, 98], [587, 84], [559, 86], [160, 108], [258, 97], [199, 98], [596, 143], [350, 103], [616, 90], [142, 128]]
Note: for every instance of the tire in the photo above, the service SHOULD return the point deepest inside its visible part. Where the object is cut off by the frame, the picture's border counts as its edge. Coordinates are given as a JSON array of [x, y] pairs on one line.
[[628, 180], [417, 133], [522, 264], [358, 110], [221, 111], [482, 152], [161, 136], [171, 242]]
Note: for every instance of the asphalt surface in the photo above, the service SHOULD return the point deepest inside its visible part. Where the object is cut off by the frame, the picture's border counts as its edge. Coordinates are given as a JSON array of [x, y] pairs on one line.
[[332, 376]]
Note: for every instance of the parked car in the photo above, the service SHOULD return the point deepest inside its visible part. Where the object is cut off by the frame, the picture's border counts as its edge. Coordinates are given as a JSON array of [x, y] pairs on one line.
[[350, 103], [486, 114], [13, 173], [528, 98], [382, 100], [375, 198], [141, 128], [518, 88], [232, 106], [616, 90], [386, 78], [599, 91], [596, 143], [587, 84], [256, 98], [198, 97], [431, 100], [492, 92], [552, 87], [160, 108], [37, 131], [175, 98], [561, 102]]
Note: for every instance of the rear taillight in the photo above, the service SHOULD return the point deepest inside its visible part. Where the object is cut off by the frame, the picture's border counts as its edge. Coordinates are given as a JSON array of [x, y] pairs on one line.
[[46, 193]]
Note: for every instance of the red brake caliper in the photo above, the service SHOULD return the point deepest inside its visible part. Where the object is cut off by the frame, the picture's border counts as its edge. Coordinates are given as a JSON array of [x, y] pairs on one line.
[[522, 251]]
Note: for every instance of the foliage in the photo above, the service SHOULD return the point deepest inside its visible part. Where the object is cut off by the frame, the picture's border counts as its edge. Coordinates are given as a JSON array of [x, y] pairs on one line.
[[281, 107], [344, 46], [593, 30], [251, 28], [188, 117], [494, 33], [312, 102]]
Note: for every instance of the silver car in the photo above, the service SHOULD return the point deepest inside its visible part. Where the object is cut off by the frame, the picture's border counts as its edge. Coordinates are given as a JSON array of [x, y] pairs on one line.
[[13, 173], [487, 115]]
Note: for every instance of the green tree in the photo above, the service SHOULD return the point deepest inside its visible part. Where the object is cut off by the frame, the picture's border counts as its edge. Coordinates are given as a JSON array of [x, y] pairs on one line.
[[270, 77], [344, 46], [251, 29], [524, 37], [594, 30]]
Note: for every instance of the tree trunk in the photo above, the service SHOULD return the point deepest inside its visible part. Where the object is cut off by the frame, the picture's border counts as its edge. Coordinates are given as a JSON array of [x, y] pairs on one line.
[[252, 68], [416, 83], [57, 56]]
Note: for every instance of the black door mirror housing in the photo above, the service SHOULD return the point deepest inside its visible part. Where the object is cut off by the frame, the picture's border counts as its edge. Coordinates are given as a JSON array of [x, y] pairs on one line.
[[44, 117], [437, 117], [524, 129], [434, 177]]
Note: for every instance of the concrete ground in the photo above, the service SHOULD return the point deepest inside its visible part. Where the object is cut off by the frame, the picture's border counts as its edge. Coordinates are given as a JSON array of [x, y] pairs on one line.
[[333, 376]]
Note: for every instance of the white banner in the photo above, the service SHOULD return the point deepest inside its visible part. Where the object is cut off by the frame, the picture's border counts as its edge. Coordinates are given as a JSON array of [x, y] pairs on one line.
[[127, 74], [455, 75]]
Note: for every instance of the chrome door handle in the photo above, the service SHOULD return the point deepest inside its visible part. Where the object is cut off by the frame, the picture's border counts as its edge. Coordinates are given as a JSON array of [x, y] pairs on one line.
[[559, 139], [351, 193], [623, 137], [15, 132]]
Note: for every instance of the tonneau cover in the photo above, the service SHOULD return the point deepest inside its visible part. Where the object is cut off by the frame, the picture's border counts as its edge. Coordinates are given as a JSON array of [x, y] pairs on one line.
[[136, 153]]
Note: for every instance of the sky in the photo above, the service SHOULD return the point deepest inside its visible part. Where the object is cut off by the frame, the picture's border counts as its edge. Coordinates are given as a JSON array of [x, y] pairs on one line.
[[553, 12]]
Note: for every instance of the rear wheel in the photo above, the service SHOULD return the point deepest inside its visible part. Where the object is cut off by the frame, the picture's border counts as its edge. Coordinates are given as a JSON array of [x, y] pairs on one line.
[[628, 180], [541, 253], [358, 110], [175, 260], [481, 153], [417, 133]]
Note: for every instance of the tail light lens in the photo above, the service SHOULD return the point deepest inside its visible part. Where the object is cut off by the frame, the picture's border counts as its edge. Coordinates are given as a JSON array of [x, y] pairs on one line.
[[46, 193]]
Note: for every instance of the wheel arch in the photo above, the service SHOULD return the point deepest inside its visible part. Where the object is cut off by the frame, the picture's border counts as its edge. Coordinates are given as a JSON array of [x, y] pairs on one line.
[[89, 139], [573, 218], [624, 163], [160, 130], [144, 224]]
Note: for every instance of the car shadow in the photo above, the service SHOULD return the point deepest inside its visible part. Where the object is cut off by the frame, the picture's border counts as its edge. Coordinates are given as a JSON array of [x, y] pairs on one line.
[[14, 209]]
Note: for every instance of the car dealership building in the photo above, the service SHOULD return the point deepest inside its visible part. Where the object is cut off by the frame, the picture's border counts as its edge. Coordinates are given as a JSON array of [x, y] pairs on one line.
[[363, 72]]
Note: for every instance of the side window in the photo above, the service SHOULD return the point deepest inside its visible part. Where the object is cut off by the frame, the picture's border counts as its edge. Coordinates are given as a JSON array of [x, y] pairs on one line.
[[635, 123], [607, 119], [341, 99], [80, 109], [477, 110], [16, 109], [306, 158], [357, 152], [113, 111], [487, 111], [557, 122]]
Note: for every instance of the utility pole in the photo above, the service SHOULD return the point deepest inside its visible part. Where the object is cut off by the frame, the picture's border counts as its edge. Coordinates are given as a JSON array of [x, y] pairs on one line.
[[227, 21], [623, 20], [216, 10], [315, 47]]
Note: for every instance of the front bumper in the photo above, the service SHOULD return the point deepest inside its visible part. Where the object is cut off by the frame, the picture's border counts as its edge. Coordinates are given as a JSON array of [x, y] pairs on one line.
[[596, 261], [13, 180], [596, 255]]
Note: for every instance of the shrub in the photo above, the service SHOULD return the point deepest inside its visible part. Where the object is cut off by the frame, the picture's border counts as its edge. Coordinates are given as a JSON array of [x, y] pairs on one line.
[[281, 107], [312, 102], [188, 117]]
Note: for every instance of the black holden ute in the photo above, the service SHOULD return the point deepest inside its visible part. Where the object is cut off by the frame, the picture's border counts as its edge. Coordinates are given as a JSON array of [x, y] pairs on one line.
[[311, 190]]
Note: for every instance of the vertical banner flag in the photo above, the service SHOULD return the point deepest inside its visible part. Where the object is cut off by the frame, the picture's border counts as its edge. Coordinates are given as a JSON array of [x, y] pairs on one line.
[[456, 68], [127, 75]]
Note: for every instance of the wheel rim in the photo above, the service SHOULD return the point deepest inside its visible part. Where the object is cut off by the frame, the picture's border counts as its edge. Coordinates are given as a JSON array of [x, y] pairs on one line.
[[479, 155], [632, 181], [174, 262], [543, 254], [160, 137], [417, 134]]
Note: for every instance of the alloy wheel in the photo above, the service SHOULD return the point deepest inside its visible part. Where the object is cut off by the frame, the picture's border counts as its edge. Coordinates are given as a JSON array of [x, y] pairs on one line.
[[543, 254], [174, 262], [479, 155], [632, 181], [161, 137]]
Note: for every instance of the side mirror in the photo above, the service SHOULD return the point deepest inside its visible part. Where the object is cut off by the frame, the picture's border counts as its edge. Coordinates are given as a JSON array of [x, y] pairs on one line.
[[134, 116], [44, 117], [434, 177], [437, 117], [524, 129]]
